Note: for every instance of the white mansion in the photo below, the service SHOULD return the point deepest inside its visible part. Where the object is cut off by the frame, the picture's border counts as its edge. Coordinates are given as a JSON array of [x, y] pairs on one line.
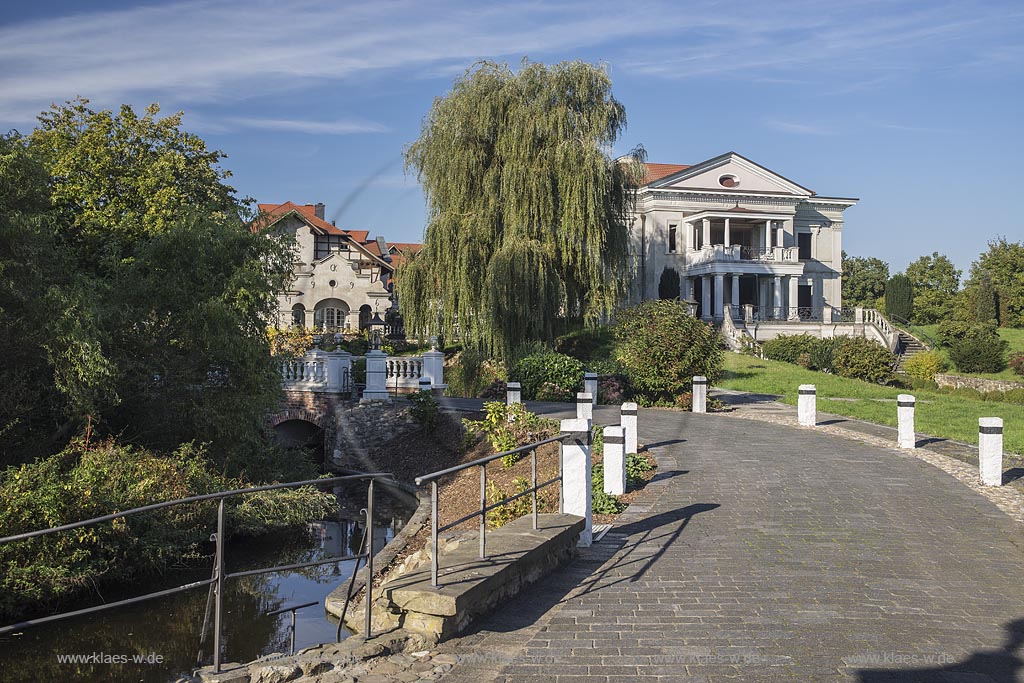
[[340, 278], [741, 236]]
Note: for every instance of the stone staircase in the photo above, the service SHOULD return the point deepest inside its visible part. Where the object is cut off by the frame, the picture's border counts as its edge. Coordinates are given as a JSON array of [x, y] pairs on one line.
[[909, 346]]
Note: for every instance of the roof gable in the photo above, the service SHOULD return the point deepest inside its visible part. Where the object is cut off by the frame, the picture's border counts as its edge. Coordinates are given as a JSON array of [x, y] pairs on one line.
[[729, 172], [272, 213]]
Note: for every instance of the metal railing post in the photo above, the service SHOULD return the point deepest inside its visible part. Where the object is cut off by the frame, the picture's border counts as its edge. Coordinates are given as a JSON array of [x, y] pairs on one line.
[[483, 511], [219, 604], [369, 559], [561, 477], [533, 468], [433, 533]]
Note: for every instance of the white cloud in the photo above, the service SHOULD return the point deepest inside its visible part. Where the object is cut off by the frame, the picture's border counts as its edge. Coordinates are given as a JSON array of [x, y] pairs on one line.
[[224, 51], [338, 127]]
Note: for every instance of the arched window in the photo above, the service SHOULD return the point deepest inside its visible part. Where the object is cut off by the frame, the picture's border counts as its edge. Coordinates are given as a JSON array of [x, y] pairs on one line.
[[299, 315], [365, 313], [330, 315]]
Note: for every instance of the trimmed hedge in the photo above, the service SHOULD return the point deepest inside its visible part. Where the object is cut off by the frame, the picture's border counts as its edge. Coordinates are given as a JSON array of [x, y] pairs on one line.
[[852, 357]]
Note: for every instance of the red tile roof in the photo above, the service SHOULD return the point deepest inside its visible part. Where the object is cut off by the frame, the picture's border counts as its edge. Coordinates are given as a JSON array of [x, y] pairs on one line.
[[308, 211], [411, 247], [659, 171]]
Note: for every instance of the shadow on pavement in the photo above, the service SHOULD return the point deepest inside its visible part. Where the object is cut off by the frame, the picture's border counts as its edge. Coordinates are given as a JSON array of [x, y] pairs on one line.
[[991, 666]]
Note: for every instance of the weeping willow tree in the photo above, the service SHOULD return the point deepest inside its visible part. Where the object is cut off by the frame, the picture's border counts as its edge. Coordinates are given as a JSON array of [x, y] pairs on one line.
[[527, 209]]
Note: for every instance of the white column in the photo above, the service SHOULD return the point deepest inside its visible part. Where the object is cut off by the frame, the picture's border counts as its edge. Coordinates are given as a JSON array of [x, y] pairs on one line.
[[767, 235], [735, 295], [782, 235], [433, 368], [687, 288], [700, 394], [513, 393], [990, 450], [628, 418], [905, 420], [689, 235], [584, 406], [576, 475], [727, 233], [807, 405], [719, 295], [707, 232], [590, 386], [819, 292], [376, 377], [794, 297], [614, 461], [777, 300], [705, 297]]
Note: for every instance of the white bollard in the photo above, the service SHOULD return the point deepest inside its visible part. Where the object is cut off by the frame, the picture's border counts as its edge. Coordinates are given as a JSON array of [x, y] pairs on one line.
[[590, 386], [990, 450], [807, 405], [905, 420], [513, 393], [700, 394], [584, 406], [614, 460], [627, 418], [577, 496]]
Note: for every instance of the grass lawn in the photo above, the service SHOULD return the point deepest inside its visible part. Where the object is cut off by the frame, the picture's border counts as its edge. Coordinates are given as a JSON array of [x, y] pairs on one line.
[[937, 414], [1014, 336]]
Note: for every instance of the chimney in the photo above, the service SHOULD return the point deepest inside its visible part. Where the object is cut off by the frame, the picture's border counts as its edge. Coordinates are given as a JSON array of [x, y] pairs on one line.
[[320, 210]]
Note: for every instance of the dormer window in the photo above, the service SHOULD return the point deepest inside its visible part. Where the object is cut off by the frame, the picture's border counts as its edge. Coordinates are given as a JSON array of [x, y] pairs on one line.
[[325, 245], [729, 181]]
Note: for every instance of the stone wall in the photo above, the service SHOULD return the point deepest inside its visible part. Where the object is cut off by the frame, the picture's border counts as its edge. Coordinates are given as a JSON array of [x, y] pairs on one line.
[[978, 383], [360, 428]]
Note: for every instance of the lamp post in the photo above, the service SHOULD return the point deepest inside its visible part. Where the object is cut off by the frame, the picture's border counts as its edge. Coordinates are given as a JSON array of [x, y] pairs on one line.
[[376, 331]]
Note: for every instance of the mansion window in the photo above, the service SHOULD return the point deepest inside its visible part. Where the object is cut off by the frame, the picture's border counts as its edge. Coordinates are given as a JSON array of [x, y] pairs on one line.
[[329, 318], [804, 244], [672, 230], [326, 245]]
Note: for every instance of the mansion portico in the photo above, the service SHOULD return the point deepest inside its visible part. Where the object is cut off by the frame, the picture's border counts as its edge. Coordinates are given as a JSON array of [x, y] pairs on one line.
[[741, 239]]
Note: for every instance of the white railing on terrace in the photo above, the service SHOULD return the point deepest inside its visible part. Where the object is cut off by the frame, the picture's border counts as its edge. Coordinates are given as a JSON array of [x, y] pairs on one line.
[[404, 371], [304, 371], [737, 252], [318, 371]]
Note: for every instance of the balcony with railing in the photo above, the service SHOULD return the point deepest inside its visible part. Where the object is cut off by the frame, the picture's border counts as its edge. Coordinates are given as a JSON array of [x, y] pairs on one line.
[[738, 252]]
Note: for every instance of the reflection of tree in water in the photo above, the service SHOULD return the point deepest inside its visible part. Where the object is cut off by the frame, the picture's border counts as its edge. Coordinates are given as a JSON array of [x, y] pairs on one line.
[[171, 626], [994, 666]]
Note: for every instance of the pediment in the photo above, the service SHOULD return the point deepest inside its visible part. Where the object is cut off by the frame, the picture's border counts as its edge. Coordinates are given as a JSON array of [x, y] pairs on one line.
[[731, 173]]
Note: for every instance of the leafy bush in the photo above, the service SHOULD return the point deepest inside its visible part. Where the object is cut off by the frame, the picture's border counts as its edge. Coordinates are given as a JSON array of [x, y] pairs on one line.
[[1017, 362], [822, 355], [925, 365], [952, 330], [662, 347], [425, 408], [684, 401], [497, 391], [604, 366], [864, 359], [789, 348], [980, 350], [83, 482], [1014, 396], [612, 390], [552, 392], [470, 373], [602, 503], [636, 467], [587, 344], [510, 426], [512, 510], [549, 367]]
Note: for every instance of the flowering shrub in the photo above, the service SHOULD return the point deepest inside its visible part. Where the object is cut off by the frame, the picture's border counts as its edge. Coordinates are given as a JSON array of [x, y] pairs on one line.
[[549, 391], [1017, 362], [611, 389]]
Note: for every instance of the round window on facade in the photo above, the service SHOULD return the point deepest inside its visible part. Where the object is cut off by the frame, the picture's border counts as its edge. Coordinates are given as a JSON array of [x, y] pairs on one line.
[[729, 180], [333, 283]]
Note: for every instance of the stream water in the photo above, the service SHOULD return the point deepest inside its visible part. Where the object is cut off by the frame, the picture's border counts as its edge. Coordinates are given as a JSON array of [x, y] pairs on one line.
[[158, 640]]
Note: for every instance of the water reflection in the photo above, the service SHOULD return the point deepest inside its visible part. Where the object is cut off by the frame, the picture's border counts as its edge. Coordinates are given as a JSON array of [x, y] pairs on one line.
[[169, 628]]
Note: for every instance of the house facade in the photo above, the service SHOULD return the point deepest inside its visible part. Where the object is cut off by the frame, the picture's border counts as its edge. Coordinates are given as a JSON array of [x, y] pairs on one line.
[[741, 239], [340, 278]]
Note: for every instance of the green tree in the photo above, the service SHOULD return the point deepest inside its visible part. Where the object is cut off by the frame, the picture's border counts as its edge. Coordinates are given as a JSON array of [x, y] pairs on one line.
[[864, 280], [157, 296], [668, 287], [527, 211], [986, 301], [936, 282], [899, 297], [662, 348], [1003, 266]]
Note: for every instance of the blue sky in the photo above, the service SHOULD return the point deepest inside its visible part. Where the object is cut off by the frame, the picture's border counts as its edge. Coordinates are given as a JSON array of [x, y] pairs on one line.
[[915, 107]]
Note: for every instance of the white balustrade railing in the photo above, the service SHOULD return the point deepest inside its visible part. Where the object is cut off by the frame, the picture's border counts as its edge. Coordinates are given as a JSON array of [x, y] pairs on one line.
[[304, 371], [318, 371], [404, 371]]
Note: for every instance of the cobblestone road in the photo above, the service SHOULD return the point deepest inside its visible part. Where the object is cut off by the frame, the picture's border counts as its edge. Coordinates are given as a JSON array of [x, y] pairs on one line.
[[770, 553]]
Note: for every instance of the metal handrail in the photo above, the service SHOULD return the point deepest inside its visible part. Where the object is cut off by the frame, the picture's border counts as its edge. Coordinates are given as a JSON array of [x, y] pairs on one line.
[[219, 575], [914, 331], [435, 529]]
